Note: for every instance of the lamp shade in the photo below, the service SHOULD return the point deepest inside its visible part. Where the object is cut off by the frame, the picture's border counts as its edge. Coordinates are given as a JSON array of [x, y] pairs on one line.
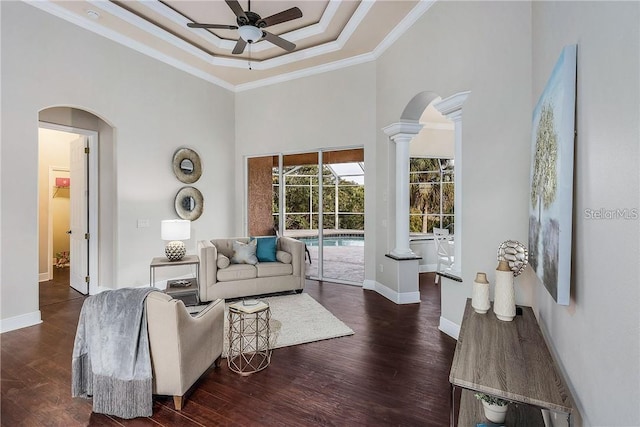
[[175, 229]]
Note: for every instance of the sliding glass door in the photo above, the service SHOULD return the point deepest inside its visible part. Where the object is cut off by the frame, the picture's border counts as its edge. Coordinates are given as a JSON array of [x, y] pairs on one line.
[[343, 216], [318, 198]]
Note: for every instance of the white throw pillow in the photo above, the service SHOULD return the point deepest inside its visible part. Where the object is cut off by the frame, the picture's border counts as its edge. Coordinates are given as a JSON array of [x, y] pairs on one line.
[[244, 253], [222, 261], [284, 257]]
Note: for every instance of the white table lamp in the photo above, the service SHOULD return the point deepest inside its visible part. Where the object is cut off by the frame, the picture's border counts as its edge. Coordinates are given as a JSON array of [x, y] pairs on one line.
[[175, 230]]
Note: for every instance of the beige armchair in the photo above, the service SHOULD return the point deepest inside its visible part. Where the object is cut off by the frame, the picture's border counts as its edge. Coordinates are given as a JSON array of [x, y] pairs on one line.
[[182, 346]]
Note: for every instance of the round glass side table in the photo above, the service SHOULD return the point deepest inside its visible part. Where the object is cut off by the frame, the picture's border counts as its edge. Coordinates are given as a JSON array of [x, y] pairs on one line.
[[249, 332]]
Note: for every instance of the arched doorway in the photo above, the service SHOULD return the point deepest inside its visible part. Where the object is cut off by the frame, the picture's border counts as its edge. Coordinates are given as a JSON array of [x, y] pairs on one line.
[[88, 157], [451, 108], [402, 262]]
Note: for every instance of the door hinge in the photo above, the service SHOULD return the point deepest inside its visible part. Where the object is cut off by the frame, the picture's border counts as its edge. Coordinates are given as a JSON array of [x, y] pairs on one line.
[[86, 236], [86, 150], [86, 279]]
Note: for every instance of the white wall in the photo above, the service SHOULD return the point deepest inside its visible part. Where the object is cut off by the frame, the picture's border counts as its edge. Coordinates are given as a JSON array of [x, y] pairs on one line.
[[597, 338], [483, 47], [501, 51], [330, 110], [153, 108]]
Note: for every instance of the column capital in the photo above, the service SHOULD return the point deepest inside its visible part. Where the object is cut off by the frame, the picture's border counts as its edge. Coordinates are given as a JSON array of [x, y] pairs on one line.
[[451, 107], [402, 130]]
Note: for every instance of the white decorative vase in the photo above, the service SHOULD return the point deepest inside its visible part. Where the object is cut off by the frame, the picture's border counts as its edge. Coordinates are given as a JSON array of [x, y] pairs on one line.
[[480, 295], [504, 300], [495, 413]]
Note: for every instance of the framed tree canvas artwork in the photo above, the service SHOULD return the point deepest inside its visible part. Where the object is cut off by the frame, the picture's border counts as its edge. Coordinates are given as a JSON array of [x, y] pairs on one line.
[[551, 179]]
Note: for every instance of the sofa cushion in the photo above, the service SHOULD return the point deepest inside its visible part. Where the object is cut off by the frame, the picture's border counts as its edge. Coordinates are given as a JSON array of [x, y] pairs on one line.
[[222, 261], [266, 248], [225, 245], [270, 269], [244, 253], [237, 272], [284, 257]]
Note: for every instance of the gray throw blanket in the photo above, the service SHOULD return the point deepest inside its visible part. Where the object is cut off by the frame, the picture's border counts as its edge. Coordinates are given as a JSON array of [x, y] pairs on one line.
[[111, 359]]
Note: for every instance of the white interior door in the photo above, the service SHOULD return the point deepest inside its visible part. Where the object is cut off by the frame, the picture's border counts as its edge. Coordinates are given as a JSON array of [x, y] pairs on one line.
[[79, 244]]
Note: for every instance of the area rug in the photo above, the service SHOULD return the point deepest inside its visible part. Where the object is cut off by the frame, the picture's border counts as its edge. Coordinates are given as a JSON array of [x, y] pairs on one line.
[[296, 319]]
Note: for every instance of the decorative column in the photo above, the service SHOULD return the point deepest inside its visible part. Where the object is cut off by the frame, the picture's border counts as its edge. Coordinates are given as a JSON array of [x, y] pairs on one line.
[[401, 133], [451, 108]]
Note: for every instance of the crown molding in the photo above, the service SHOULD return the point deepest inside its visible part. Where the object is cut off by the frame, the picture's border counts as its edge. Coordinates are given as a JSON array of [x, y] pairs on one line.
[[423, 5], [293, 36], [394, 35], [53, 9], [267, 64]]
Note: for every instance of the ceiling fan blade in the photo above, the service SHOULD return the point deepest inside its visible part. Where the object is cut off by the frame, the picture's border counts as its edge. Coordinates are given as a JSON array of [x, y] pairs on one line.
[[217, 26], [278, 18], [237, 9], [239, 48], [279, 41]]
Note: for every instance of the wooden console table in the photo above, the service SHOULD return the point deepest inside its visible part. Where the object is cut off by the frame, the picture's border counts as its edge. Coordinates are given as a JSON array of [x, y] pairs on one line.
[[509, 360]]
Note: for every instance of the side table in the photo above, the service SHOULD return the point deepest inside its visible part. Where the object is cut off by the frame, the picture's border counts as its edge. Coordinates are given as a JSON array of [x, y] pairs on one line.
[[185, 289], [249, 333]]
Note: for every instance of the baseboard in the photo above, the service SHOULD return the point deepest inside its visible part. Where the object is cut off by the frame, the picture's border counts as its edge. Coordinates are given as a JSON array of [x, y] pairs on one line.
[[369, 284], [43, 277], [390, 294], [21, 321], [409, 298], [449, 328]]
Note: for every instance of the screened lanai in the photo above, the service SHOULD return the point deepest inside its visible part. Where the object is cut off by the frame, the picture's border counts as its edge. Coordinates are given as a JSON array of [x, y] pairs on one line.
[[317, 198]]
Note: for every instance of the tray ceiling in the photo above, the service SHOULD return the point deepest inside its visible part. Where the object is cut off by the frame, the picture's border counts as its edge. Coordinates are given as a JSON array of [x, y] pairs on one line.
[[331, 34]]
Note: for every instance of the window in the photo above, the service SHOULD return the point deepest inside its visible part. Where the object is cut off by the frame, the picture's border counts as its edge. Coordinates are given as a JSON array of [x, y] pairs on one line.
[[343, 196], [431, 194]]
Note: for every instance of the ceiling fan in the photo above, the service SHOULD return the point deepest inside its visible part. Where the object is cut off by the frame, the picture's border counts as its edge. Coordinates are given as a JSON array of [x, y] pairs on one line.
[[250, 26]]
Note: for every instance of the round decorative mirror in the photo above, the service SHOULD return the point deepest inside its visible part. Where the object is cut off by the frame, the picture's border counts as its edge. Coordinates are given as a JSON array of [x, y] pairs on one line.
[[187, 166], [189, 203]]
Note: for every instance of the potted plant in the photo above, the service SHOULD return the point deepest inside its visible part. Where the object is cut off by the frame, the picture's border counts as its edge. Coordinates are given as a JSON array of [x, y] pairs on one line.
[[495, 409]]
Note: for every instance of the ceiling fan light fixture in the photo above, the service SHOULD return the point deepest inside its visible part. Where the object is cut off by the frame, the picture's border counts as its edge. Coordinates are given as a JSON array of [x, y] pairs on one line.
[[249, 33]]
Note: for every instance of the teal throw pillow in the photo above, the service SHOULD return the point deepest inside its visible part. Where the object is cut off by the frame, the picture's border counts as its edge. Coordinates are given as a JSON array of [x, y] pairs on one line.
[[244, 253], [266, 250]]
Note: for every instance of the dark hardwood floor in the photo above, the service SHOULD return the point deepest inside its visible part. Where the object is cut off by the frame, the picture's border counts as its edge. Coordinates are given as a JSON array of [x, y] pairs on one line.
[[393, 371]]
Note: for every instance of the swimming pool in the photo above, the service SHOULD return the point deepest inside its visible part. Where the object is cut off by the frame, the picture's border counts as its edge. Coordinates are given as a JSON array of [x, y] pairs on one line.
[[335, 241]]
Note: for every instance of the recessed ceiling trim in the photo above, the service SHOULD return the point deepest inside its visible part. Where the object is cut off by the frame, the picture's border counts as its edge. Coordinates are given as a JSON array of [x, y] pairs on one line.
[[178, 19], [93, 26], [150, 28], [209, 37], [394, 35], [320, 27], [311, 52], [352, 24], [50, 7]]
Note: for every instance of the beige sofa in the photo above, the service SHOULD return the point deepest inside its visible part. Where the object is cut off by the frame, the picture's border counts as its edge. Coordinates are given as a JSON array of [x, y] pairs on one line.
[[241, 280], [182, 346]]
